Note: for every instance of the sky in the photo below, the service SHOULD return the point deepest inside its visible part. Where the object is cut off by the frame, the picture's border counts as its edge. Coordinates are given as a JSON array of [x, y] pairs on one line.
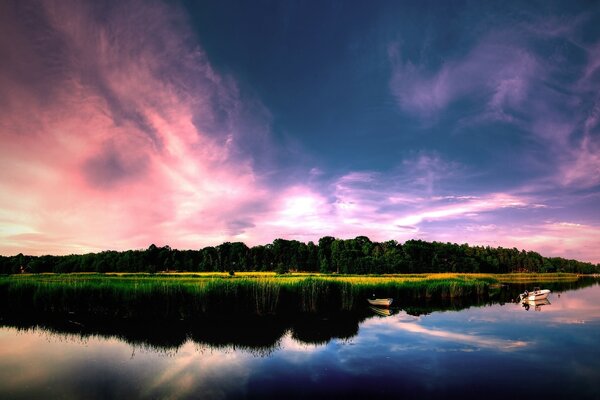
[[192, 123]]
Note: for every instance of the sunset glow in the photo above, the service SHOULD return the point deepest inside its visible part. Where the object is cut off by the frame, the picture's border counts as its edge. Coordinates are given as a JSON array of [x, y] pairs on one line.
[[135, 122]]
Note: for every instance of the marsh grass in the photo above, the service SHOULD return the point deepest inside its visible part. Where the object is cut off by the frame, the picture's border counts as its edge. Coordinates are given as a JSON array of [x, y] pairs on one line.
[[185, 295]]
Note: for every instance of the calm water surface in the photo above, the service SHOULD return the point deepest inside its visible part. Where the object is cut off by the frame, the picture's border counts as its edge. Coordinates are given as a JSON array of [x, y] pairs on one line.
[[491, 351]]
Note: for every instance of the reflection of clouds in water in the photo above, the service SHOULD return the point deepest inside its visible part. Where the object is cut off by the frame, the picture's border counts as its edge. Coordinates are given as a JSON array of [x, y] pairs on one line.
[[289, 345], [471, 339], [568, 321], [484, 318], [45, 358], [13, 345], [57, 366], [209, 373], [35, 359], [391, 325], [421, 349], [572, 307], [575, 307], [372, 329], [315, 359]]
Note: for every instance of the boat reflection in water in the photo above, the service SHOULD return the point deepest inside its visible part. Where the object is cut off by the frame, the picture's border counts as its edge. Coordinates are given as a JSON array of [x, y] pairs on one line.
[[384, 312], [536, 304], [381, 306]]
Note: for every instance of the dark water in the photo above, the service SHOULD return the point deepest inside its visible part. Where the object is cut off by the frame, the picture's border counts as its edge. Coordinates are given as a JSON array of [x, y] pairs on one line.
[[493, 350]]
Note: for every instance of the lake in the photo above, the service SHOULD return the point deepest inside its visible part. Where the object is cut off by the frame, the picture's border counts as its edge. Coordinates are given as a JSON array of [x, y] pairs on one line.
[[496, 349]]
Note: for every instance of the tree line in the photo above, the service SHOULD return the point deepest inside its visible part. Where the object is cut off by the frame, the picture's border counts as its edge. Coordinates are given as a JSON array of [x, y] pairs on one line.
[[330, 255]]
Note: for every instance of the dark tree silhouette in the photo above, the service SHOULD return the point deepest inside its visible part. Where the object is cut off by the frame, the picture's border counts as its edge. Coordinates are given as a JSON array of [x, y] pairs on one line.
[[347, 256]]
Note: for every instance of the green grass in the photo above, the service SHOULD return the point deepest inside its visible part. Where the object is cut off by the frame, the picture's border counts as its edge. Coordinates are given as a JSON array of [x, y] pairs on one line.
[[178, 295]]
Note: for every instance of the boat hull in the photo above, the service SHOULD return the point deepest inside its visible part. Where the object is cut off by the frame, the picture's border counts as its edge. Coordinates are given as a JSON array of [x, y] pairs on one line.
[[380, 302]]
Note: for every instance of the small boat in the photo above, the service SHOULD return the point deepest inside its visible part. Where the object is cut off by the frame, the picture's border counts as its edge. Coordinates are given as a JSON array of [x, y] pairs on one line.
[[536, 294], [380, 302]]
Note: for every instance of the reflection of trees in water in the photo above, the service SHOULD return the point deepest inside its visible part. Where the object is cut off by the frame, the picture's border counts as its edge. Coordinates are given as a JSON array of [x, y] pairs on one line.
[[258, 335], [320, 329]]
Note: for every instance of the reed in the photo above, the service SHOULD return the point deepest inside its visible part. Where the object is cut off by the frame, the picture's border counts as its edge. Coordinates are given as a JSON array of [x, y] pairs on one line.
[[187, 295]]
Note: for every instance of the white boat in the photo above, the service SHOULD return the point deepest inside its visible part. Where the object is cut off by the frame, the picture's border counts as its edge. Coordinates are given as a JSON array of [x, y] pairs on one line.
[[536, 294], [380, 302]]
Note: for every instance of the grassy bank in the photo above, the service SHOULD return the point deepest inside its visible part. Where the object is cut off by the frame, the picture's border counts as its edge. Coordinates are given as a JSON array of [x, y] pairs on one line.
[[186, 295]]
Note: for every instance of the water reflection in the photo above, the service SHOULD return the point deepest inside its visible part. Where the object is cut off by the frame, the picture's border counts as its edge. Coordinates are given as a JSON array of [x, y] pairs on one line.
[[470, 339], [384, 312], [261, 335], [35, 365], [536, 304], [491, 348]]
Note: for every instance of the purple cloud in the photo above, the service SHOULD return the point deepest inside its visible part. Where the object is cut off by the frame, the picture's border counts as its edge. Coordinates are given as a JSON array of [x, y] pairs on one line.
[[496, 71]]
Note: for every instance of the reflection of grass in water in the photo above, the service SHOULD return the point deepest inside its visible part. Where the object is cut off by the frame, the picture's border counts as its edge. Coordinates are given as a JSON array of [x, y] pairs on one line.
[[536, 277], [224, 312], [185, 295]]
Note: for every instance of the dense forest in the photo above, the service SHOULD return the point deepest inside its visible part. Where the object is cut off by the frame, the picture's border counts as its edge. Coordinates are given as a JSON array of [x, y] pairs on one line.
[[352, 256]]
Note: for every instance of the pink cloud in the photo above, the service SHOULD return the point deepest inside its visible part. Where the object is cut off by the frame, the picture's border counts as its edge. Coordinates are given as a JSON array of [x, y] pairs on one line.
[[580, 241], [117, 158], [373, 205], [463, 207], [551, 239], [368, 203]]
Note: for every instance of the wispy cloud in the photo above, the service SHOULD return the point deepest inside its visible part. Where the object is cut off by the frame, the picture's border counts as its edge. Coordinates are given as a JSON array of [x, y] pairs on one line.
[[495, 71], [387, 206], [139, 142], [508, 79], [462, 206], [559, 238], [535, 78]]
